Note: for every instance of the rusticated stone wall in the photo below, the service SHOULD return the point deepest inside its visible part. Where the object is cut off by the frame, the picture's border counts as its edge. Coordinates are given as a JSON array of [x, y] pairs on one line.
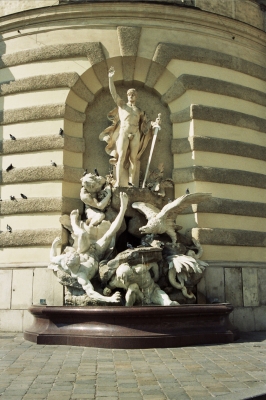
[[207, 72]]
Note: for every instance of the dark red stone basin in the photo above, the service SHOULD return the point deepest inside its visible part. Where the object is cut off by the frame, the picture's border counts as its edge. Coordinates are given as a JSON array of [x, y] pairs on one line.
[[132, 327]]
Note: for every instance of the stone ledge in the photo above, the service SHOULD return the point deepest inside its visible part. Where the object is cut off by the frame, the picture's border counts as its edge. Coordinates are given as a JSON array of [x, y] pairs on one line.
[[49, 142], [93, 51], [22, 265], [42, 82], [236, 264], [217, 145], [35, 113], [229, 237], [220, 115], [27, 237], [193, 82], [218, 205], [40, 205], [219, 175], [37, 174], [165, 52]]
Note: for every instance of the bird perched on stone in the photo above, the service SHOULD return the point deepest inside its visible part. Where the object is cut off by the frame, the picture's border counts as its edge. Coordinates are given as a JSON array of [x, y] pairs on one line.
[[61, 132], [96, 172], [8, 228], [85, 172], [53, 163], [19, 31], [12, 137], [187, 191], [129, 246], [12, 198], [23, 196], [163, 221], [9, 168]]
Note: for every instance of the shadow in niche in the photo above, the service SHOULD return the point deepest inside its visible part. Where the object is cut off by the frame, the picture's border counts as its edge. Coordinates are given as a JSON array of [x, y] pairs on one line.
[[96, 121]]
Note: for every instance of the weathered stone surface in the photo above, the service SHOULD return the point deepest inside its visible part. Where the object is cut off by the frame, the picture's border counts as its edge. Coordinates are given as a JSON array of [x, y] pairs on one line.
[[250, 287], [219, 175], [155, 71], [49, 173], [101, 71], [230, 237], [26, 145], [40, 205], [244, 318], [22, 288], [260, 318], [91, 50], [250, 13], [193, 82], [168, 51], [221, 115], [82, 91], [217, 145], [26, 237], [35, 113], [214, 278], [128, 37], [233, 286], [227, 206], [65, 79], [5, 288], [262, 285], [217, 6], [182, 116]]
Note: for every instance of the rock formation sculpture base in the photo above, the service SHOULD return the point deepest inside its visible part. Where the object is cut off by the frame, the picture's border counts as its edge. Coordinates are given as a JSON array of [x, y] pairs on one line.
[[132, 327]]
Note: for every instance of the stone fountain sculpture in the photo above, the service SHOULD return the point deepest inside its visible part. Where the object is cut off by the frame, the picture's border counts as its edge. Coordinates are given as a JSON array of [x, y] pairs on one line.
[[127, 250], [154, 270]]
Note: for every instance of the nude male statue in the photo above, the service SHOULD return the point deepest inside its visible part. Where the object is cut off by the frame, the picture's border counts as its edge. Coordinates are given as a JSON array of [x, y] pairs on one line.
[[84, 265], [128, 141]]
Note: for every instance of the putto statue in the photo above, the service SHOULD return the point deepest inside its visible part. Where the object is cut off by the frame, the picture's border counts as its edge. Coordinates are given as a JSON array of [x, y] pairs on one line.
[[128, 136]]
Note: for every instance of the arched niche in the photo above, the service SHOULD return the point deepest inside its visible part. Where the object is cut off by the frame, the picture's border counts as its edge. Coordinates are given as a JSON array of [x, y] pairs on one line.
[[96, 121]]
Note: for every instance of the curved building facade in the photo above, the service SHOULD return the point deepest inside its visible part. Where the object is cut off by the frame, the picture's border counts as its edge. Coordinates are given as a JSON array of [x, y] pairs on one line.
[[202, 64]]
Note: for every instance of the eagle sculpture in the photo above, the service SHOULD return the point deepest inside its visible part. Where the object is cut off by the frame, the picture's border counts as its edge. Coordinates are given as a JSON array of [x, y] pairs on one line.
[[163, 221]]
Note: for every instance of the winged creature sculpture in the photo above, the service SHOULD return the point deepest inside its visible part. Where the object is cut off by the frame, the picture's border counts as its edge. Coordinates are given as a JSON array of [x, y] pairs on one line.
[[163, 221]]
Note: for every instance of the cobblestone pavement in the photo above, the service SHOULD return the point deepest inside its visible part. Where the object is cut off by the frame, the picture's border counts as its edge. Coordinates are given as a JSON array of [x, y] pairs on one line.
[[229, 371]]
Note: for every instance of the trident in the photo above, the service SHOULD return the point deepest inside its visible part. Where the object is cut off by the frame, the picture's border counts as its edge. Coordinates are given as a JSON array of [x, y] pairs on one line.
[[157, 128]]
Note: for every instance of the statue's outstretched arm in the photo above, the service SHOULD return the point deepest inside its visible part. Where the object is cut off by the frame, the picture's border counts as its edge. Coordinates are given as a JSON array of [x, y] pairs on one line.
[[54, 258], [117, 99], [104, 242]]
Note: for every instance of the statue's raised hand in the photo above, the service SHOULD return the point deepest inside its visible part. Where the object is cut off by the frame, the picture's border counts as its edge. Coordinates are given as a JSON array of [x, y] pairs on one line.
[[111, 72], [56, 241]]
